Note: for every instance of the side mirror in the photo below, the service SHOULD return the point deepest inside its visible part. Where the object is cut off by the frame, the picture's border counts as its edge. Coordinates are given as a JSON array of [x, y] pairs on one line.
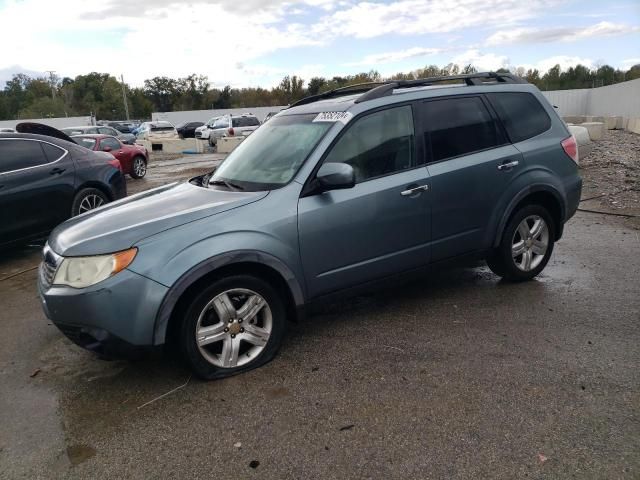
[[335, 176]]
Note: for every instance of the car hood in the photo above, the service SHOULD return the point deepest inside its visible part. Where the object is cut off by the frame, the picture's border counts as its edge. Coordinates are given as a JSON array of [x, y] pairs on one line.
[[119, 225]]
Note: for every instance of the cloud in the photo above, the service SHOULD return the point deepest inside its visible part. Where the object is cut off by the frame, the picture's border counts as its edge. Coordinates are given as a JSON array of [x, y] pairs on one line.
[[175, 41], [481, 61], [409, 17], [390, 57], [561, 34]]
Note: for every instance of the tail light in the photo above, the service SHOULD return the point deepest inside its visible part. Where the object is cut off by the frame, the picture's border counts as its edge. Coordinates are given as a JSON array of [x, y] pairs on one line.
[[115, 163], [230, 132], [570, 147]]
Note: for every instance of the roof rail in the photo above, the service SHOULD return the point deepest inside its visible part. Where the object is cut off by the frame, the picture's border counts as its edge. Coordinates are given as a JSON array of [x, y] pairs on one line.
[[382, 89], [355, 88]]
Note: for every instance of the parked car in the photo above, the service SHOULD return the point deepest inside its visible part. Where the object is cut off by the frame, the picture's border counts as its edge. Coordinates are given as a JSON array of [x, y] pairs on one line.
[[133, 158], [7, 130], [156, 130], [122, 127], [127, 138], [342, 189], [188, 129], [45, 180], [204, 131], [233, 125]]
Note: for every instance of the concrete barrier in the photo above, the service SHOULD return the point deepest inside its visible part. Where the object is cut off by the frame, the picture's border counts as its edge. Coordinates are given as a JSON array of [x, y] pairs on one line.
[[619, 123], [592, 118], [595, 129], [228, 144], [173, 145], [634, 125], [575, 119], [609, 123], [581, 134]]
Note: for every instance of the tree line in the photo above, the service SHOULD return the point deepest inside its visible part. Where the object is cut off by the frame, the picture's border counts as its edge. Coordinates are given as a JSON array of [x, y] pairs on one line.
[[101, 94]]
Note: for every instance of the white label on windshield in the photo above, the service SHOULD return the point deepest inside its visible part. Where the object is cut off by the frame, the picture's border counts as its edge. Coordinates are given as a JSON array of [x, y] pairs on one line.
[[343, 117]]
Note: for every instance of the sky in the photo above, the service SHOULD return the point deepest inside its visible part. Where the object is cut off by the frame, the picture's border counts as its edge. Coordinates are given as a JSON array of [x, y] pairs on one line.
[[257, 42]]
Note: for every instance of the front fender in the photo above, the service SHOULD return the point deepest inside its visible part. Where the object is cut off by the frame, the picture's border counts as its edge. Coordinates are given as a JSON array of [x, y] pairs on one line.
[[210, 265]]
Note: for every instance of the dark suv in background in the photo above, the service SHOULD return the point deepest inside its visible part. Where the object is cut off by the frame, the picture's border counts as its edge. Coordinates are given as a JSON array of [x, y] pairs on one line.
[[342, 189], [45, 180]]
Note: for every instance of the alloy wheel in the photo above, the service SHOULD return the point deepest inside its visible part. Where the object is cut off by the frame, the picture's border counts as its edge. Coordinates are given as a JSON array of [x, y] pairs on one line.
[[234, 328], [139, 167], [90, 202], [530, 243]]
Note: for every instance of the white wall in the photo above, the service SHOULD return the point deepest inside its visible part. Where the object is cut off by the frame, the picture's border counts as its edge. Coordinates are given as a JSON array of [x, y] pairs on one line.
[[620, 99], [204, 115], [62, 122]]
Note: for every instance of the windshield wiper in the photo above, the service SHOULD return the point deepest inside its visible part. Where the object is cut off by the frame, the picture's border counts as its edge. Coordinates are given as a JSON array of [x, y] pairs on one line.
[[229, 185]]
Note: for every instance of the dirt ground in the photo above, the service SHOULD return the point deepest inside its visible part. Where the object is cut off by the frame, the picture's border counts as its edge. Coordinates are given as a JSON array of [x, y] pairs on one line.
[[611, 176]]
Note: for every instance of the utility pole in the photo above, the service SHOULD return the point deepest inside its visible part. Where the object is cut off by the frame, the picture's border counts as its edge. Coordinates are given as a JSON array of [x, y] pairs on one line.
[[124, 98], [52, 83]]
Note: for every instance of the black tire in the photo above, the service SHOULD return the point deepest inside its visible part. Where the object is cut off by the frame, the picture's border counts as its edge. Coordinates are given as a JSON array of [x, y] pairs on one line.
[[85, 197], [199, 364], [135, 175], [503, 264]]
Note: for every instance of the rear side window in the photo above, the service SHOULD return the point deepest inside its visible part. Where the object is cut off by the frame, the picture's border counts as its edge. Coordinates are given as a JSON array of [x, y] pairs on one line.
[[378, 144], [18, 154], [110, 143], [521, 114], [245, 122], [52, 152], [458, 126]]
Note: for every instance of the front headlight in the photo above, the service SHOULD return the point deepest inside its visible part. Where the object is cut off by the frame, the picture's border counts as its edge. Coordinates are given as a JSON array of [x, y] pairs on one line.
[[81, 272]]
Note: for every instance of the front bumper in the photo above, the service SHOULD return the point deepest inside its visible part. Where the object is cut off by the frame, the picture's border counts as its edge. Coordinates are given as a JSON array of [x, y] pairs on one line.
[[113, 317]]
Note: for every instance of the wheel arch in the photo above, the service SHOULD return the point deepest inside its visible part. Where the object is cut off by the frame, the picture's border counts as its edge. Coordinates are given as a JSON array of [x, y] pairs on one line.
[[545, 195], [259, 264], [97, 186]]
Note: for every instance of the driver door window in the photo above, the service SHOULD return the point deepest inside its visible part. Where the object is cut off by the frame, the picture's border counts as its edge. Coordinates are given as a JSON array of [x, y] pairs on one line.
[[377, 145]]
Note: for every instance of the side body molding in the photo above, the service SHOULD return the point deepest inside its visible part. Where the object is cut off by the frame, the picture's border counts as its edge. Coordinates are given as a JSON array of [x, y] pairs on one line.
[[212, 264]]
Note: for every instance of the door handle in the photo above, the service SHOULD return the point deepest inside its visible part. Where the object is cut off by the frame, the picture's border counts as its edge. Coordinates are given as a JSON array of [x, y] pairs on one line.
[[508, 165], [411, 191], [56, 171]]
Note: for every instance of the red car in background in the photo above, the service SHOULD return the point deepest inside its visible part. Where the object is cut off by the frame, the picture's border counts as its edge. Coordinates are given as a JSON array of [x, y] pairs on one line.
[[133, 158]]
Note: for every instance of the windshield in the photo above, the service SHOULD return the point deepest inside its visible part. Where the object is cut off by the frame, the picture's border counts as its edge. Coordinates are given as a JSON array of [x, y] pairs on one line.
[[270, 156], [85, 142]]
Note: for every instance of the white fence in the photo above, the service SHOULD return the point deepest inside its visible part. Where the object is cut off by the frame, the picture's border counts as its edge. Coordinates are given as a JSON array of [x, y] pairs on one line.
[[204, 115], [62, 122], [621, 99]]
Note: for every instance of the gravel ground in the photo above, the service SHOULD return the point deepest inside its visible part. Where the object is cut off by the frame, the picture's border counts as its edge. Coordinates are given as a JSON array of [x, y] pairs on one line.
[[611, 175]]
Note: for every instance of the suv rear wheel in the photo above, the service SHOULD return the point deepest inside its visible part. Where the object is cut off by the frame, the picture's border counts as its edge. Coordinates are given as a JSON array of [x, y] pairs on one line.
[[526, 245], [234, 325]]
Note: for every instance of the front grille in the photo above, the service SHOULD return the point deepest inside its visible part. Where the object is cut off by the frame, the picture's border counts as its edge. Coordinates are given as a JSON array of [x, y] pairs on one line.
[[49, 265], [198, 134]]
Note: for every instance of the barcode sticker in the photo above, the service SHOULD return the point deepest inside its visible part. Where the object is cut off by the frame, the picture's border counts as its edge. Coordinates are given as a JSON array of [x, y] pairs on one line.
[[343, 117]]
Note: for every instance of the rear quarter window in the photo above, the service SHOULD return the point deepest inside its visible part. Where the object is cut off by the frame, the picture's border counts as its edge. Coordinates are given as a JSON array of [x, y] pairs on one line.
[[521, 113]]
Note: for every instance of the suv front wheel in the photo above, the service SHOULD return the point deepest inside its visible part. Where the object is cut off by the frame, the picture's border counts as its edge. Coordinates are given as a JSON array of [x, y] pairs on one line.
[[234, 325], [526, 245]]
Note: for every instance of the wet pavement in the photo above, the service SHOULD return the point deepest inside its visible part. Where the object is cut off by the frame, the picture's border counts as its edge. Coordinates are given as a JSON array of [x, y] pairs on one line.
[[456, 375]]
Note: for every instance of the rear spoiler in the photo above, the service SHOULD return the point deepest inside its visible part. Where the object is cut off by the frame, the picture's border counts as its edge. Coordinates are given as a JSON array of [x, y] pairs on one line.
[[42, 129]]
